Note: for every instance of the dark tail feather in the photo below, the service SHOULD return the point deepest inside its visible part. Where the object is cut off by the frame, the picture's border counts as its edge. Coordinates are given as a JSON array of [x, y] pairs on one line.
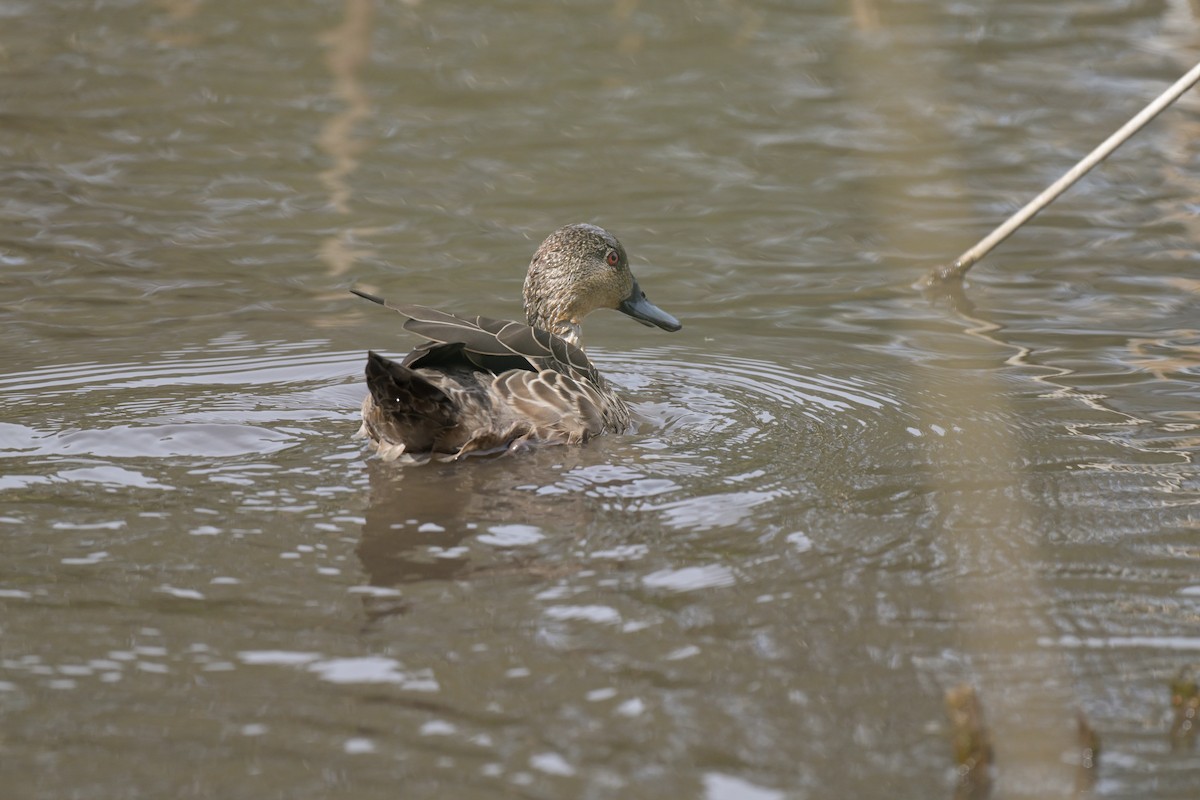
[[416, 408]]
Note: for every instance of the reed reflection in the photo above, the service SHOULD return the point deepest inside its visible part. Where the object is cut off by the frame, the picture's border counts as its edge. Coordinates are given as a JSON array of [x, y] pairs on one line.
[[348, 48], [973, 519]]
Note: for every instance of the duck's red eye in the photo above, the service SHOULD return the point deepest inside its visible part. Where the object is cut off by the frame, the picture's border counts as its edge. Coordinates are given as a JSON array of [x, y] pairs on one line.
[[612, 258]]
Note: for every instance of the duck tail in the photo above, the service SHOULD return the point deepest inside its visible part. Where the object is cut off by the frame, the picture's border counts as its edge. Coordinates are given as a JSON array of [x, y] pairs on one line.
[[409, 409]]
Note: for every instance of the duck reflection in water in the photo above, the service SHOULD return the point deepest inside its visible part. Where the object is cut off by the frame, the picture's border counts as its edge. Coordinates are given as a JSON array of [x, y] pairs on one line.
[[422, 526], [481, 385]]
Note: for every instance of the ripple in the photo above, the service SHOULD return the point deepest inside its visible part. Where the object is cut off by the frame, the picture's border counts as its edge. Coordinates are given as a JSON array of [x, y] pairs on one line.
[[722, 392], [718, 786], [111, 476], [722, 509], [194, 410], [512, 535], [259, 369], [125, 441], [742, 422], [689, 579], [604, 615], [373, 669], [1185, 643], [727, 441]]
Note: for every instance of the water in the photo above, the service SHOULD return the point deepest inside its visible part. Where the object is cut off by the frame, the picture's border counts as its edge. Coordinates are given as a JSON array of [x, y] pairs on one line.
[[843, 499]]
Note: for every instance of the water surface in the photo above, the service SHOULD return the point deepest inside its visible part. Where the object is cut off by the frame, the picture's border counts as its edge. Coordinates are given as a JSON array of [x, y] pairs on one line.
[[842, 500]]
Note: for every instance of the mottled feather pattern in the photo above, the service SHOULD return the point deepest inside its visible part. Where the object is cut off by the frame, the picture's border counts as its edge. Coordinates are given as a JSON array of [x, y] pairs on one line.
[[481, 384], [559, 405], [505, 383]]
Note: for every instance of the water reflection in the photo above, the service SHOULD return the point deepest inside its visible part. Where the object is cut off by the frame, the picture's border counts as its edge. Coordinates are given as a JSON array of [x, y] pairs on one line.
[[173, 32], [1164, 359], [348, 50]]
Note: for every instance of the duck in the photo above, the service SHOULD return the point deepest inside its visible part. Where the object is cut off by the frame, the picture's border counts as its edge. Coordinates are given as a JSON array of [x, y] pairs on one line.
[[479, 385]]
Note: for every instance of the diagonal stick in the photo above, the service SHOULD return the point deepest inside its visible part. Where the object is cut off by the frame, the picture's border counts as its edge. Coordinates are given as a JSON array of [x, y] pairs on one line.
[[955, 271]]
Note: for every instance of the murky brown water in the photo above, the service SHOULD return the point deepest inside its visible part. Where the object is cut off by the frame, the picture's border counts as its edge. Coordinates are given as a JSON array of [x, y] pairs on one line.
[[844, 500]]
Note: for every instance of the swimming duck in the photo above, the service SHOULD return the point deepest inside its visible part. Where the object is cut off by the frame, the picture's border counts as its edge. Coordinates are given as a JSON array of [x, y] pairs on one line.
[[482, 385]]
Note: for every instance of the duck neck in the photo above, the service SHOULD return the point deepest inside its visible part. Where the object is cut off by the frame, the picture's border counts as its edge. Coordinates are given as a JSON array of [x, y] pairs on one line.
[[568, 331], [563, 329], [557, 324]]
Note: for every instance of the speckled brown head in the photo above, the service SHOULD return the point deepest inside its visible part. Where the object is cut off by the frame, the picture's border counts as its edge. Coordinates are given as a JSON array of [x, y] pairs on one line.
[[578, 269]]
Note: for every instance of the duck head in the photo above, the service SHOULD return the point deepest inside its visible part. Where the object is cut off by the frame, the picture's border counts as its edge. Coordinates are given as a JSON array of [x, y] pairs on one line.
[[578, 269]]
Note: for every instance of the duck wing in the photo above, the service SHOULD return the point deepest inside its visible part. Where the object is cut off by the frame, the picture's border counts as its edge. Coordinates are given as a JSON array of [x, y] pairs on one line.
[[547, 351], [491, 344]]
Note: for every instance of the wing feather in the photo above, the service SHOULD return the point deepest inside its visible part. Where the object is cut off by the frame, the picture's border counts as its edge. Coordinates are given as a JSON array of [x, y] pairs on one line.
[[495, 345], [548, 351]]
